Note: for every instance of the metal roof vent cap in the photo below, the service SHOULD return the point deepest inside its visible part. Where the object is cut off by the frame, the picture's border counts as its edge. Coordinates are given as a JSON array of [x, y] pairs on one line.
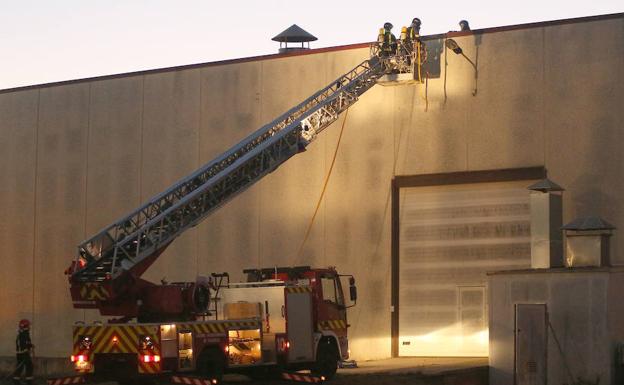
[[587, 242], [546, 185], [294, 34]]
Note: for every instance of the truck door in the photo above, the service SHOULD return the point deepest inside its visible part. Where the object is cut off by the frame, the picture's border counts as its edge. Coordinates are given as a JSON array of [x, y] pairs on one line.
[[299, 325], [185, 350], [332, 315], [169, 346]]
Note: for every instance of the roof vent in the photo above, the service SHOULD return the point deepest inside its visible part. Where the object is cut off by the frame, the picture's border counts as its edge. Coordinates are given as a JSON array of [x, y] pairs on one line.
[[294, 34], [587, 242], [545, 185]]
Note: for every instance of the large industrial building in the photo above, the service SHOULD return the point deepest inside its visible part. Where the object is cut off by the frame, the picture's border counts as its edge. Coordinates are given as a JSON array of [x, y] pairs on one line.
[[427, 195]]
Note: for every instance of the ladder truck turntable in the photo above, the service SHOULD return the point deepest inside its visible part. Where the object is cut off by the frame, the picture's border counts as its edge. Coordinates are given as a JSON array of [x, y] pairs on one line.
[[288, 318]]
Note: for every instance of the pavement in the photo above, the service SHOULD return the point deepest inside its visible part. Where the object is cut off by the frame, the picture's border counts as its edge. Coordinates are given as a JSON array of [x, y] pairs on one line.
[[428, 366], [394, 371]]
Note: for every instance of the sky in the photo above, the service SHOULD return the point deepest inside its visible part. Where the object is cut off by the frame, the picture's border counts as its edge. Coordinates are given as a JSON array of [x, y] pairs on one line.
[[53, 40]]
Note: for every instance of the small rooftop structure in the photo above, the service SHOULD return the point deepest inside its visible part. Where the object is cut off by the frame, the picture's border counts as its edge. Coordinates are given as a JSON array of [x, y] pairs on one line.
[[546, 220], [588, 224], [545, 185], [587, 242], [294, 34]]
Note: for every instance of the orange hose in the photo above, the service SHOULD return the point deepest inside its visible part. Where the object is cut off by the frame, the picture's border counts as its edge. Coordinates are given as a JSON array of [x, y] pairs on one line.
[[320, 200]]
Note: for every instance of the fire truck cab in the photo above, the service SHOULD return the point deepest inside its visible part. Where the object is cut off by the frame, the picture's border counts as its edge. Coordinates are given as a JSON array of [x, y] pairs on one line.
[[280, 319]]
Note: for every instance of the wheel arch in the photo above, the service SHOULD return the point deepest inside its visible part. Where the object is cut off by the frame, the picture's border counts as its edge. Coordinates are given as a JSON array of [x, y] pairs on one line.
[[211, 350], [328, 335]]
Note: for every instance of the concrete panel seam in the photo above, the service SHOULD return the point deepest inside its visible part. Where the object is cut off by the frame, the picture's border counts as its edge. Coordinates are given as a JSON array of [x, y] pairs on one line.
[[543, 96], [34, 250], [140, 178], [261, 189], [86, 181], [199, 161]]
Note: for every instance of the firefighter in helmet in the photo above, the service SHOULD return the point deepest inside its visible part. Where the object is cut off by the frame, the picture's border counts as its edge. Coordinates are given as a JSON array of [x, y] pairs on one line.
[[413, 31], [410, 36], [386, 41], [23, 347], [413, 43]]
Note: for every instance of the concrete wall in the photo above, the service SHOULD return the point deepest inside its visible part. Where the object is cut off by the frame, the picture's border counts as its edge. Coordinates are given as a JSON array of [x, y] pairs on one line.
[[584, 313], [78, 156]]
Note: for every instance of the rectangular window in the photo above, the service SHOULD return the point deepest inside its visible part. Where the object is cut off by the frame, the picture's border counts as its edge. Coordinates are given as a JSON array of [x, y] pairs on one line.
[[472, 309], [329, 289], [185, 350]]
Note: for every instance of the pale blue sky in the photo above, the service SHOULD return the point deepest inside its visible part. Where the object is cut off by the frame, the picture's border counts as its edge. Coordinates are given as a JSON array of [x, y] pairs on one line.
[[54, 40]]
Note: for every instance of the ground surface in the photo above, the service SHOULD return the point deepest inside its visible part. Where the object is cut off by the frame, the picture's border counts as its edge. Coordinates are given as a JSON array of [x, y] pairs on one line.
[[370, 379], [398, 371], [404, 371]]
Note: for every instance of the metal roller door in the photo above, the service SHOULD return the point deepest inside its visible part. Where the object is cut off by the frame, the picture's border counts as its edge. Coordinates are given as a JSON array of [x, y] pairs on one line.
[[450, 236]]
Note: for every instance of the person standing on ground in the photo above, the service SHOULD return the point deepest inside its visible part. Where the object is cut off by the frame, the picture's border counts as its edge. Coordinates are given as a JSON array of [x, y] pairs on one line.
[[23, 348]]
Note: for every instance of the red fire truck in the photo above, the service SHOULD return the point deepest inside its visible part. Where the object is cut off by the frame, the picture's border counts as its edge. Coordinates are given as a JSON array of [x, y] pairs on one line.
[[280, 319], [288, 318]]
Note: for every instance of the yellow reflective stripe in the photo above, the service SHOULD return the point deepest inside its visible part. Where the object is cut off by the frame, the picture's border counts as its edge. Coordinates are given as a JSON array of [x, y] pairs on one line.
[[104, 341], [298, 289], [332, 324], [78, 331], [98, 338], [93, 291]]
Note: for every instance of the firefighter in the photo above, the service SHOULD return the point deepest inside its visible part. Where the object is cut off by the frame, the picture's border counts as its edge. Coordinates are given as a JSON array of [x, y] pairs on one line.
[[386, 41], [464, 26], [413, 31], [411, 36], [415, 45], [23, 347]]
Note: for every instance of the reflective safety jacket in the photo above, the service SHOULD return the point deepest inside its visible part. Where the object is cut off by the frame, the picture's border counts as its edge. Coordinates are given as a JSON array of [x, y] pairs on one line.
[[412, 34], [386, 40], [23, 344]]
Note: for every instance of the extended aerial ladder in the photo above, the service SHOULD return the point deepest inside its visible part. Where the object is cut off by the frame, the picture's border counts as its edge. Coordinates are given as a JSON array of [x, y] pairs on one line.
[[106, 272]]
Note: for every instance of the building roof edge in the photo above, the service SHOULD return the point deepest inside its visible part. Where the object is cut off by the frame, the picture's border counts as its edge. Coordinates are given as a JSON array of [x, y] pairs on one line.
[[540, 24]]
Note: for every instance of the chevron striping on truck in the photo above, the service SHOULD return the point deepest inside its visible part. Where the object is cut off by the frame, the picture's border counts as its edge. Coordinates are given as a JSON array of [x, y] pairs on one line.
[[66, 380], [299, 377]]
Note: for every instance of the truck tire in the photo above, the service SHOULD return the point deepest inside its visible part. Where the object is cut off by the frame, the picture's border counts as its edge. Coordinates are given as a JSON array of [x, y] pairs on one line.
[[326, 359], [211, 364]]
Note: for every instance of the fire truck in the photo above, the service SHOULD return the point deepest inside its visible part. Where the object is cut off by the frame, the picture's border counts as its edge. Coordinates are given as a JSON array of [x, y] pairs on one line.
[[288, 318]]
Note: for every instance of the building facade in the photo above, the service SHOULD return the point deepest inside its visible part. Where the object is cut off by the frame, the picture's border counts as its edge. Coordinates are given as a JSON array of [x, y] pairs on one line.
[[417, 207]]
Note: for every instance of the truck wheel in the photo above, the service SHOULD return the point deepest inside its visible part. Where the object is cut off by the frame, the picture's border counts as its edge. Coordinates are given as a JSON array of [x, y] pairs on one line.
[[326, 360], [211, 364]]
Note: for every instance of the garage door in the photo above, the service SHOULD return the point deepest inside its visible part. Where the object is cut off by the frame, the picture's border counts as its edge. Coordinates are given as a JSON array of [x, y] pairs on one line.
[[450, 236]]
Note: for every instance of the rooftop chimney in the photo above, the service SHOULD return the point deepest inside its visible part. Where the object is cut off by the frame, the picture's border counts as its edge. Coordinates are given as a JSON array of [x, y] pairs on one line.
[[293, 34], [546, 221]]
